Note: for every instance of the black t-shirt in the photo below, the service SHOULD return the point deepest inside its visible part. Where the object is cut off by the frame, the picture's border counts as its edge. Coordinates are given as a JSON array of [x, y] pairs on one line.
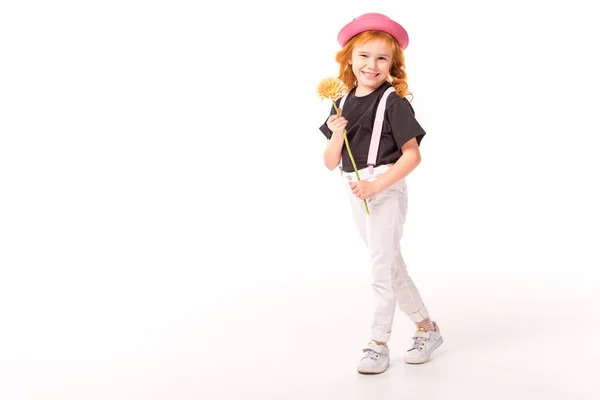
[[399, 126]]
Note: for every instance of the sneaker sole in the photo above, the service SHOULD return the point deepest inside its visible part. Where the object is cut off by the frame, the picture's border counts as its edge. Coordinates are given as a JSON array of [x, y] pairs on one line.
[[423, 361], [371, 373]]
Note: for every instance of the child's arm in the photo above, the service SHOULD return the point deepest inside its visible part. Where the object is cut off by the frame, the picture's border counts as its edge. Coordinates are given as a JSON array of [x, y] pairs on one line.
[[333, 151], [410, 159]]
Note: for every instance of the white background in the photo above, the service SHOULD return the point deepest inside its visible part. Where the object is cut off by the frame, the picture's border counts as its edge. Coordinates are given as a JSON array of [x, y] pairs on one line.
[[165, 212]]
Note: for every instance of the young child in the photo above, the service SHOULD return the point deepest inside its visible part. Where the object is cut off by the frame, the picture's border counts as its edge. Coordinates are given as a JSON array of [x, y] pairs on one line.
[[372, 61]]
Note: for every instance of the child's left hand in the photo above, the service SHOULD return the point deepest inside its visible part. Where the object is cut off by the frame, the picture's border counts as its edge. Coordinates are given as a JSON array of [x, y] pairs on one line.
[[364, 189]]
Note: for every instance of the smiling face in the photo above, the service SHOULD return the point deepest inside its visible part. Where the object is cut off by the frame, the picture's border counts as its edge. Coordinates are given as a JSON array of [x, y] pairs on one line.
[[371, 63]]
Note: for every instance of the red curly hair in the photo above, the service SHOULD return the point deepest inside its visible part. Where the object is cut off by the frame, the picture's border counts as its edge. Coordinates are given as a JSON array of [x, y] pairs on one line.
[[397, 76]]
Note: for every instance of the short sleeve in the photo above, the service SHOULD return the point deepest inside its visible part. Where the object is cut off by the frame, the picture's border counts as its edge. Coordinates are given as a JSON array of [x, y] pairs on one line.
[[403, 124], [323, 128]]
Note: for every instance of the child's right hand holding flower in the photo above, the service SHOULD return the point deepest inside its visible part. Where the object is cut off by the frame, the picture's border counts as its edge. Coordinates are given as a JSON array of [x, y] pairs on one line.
[[337, 124]]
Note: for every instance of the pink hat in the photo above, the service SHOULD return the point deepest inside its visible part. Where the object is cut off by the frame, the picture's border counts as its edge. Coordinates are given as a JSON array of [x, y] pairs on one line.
[[373, 21]]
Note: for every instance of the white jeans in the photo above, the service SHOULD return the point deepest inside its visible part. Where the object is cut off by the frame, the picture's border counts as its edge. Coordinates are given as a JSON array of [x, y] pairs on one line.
[[381, 232]]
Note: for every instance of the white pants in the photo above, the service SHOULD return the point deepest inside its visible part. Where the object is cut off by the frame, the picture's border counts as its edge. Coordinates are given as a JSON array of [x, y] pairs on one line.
[[381, 232]]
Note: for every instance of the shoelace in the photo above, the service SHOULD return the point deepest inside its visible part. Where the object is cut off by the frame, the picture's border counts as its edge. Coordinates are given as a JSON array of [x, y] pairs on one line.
[[419, 341], [371, 354]]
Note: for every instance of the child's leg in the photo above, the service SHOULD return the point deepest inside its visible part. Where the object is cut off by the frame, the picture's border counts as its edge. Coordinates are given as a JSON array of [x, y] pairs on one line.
[[407, 294], [384, 230], [372, 228], [409, 298]]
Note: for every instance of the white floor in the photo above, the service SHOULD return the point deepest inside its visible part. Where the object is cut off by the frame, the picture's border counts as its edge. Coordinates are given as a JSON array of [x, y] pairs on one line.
[[301, 340], [529, 345]]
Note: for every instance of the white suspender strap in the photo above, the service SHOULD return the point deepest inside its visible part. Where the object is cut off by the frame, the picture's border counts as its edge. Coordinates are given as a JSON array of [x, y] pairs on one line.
[[340, 106], [377, 126], [343, 101]]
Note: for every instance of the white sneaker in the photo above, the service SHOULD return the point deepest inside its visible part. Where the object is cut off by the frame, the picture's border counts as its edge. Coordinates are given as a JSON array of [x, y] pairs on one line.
[[375, 360], [424, 344]]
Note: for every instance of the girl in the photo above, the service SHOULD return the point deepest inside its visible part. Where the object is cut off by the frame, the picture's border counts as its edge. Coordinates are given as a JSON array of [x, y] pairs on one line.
[[371, 62]]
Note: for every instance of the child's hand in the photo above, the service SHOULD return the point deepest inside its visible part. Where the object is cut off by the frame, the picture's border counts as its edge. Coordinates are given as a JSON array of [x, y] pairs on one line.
[[364, 189], [337, 124]]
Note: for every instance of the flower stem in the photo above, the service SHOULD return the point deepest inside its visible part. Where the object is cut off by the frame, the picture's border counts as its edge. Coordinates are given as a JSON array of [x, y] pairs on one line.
[[337, 110]]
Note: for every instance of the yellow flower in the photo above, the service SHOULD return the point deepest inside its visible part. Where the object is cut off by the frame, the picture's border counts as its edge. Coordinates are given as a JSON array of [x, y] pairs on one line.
[[331, 88]]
